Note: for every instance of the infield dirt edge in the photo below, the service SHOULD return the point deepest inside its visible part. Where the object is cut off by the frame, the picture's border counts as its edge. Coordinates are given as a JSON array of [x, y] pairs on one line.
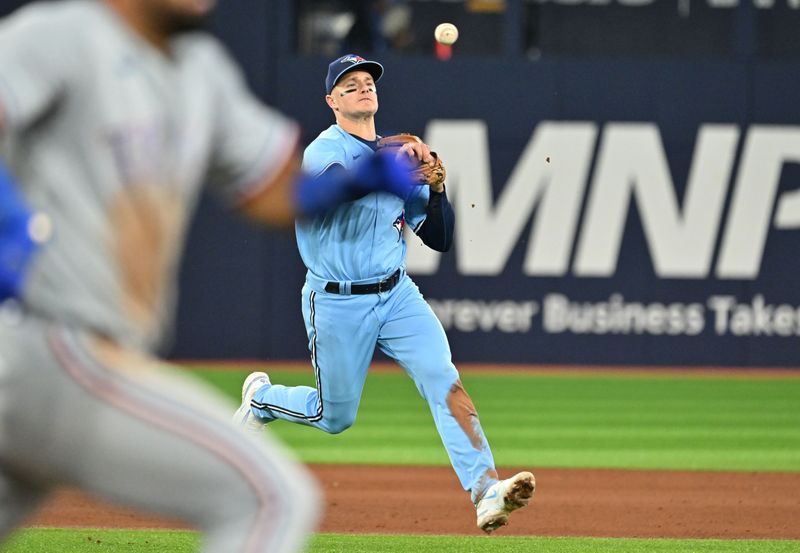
[[367, 499]]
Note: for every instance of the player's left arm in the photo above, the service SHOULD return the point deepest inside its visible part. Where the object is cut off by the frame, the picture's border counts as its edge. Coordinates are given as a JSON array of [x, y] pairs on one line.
[[254, 154], [436, 231], [438, 222]]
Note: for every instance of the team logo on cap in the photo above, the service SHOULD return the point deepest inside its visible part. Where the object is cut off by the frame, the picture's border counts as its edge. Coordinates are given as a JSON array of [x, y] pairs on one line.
[[352, 58]]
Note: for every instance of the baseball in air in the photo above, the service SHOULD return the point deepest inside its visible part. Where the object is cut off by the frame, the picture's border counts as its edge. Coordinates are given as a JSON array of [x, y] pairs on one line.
[[446, 33]]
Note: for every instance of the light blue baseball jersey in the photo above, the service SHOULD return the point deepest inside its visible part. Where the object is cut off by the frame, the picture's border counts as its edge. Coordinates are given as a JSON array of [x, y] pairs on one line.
[[360, 240]]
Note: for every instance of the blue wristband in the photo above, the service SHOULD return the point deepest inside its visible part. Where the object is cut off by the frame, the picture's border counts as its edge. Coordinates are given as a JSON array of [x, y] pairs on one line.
[[19, 238]]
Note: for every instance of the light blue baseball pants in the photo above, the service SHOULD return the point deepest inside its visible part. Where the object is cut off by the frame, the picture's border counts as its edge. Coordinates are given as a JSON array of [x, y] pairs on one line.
[[343, 331]]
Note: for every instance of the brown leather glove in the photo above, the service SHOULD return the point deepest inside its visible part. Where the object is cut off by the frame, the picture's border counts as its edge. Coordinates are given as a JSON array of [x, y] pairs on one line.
[[431, 174]]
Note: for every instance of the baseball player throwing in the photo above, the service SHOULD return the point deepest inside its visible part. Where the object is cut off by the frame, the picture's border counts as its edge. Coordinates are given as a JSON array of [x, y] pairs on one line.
[[112, 115], [357, 295]]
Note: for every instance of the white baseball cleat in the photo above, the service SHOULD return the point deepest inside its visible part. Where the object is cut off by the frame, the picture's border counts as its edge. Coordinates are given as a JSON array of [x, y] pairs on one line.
[[502, 498], [244, 417]]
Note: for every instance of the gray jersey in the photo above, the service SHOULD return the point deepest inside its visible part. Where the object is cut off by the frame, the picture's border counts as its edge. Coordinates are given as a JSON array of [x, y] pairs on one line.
[[113, 139]]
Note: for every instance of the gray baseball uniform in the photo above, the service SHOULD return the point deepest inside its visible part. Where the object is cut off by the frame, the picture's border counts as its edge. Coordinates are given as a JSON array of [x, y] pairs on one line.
[[113, 139]]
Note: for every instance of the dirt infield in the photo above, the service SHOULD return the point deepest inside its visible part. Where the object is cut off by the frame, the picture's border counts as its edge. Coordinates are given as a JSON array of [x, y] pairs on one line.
[[607, 503]]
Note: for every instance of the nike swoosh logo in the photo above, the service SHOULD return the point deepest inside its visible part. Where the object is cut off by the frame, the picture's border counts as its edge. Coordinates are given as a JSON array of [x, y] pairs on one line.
[[356, 156], [490, 496]]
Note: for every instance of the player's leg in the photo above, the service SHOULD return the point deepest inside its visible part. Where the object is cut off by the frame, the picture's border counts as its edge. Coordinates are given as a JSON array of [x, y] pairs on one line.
[[342, 331], [414, 337], [20, 493], [138, 433], [18, 498]]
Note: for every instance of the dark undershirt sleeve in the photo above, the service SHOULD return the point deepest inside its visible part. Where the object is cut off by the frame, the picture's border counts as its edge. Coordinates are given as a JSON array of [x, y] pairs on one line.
[[437, 230]]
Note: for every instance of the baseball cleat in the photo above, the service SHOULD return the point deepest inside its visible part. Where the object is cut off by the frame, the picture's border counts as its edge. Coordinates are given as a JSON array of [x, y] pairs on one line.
[[244, 417], [503, 497]]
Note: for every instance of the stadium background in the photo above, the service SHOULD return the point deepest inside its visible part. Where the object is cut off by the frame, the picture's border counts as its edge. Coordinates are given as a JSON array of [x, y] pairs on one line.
[[643, 77]]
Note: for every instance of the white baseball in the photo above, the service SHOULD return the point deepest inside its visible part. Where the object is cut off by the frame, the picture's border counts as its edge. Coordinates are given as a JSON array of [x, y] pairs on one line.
[[446, 33]]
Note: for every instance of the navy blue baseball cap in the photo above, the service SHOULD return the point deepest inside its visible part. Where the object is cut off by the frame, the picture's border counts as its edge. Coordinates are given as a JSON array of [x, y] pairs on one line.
[[351, 62]]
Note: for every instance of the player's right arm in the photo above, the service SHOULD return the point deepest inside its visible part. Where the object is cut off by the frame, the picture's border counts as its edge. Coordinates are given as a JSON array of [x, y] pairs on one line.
[[293, 193]]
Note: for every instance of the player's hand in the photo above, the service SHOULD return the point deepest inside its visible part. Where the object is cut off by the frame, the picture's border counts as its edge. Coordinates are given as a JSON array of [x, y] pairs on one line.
[[418, 152], [427, 167]]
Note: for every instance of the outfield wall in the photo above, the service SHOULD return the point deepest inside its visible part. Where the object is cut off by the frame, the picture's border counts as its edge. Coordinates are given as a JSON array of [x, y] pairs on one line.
[[608, 211], [633, 209]]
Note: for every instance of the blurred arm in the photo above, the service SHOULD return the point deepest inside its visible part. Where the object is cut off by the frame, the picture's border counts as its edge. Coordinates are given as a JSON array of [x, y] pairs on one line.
[[275, 205], [292, 193]]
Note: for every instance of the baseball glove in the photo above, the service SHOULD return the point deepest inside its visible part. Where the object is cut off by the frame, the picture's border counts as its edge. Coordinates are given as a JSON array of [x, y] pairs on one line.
[[431, 174]]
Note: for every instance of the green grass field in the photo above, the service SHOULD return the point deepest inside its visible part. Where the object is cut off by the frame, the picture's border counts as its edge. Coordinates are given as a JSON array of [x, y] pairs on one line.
[[575, 420], [611, 421], [145, 541]]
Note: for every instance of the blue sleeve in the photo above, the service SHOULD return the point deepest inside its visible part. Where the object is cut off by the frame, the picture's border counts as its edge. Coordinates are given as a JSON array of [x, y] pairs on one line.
[[336, 173], [318, 193], [321, 155], [437, 231]]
